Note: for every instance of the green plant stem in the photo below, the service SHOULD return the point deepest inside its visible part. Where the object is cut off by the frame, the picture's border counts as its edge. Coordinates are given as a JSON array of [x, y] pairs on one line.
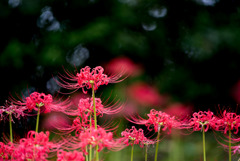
[[90, 146], [158, 135], [204, 146], [10, 127], [38, 115], [95, 116], [132, 153], [146, 152], [94, 106], [86, 151], [229, 145]]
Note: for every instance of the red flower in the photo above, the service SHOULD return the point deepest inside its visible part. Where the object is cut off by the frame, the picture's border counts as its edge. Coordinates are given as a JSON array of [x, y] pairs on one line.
[[95, 137], [35, 147], [40, 100], [228, 121], [200, 119], [70, 156], [86, 77], [13, 110], [6, 151], [157, 119], [134, 136], [85, 108]]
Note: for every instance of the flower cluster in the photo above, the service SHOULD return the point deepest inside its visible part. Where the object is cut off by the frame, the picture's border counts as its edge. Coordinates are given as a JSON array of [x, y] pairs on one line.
[[70, 156], [87, 78], [95, 137], [41, 100], [134, 136], [202, 119], [157, 119]]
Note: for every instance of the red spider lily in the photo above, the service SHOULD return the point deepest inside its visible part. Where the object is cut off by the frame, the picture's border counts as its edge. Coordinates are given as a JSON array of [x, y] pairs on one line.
[[40, 100], [95, 137], [85, 107], [70, 156], [228, 121], [134, 136], [35, 147], [202, 118], [157, 119], [6, 150], [85, 77], [13, 110]]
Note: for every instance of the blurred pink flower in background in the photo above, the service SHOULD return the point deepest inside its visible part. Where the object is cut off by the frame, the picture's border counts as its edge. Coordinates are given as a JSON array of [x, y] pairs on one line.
[[120, 64], [236, 92], [145, 94], [55, 119], [179, 110]]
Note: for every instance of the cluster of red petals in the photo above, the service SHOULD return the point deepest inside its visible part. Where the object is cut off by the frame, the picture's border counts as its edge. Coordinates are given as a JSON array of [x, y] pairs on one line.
[[95, 137], [38, 99], [13, 110], [202, 118], [70, 156], [82, 79], [157, 120], [134, 136], [80, 125], [85, 108], [35, 147], [6, 151], [228, 121], [42, 100]]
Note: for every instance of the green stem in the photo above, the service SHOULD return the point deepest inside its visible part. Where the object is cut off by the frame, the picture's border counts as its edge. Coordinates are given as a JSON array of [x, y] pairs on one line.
[[156, 152], [90, 146], [37, 123], [132, 153], [229, 145], [146, 152], [94, 105], [86, 151], [204, 146], [10, 127], [95, 115]]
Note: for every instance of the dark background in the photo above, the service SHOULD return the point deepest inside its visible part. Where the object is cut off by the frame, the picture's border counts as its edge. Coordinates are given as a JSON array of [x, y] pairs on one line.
[[189, 49]]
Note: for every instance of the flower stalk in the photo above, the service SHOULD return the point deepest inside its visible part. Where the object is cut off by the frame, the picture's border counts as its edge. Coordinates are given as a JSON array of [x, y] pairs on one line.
[[229, 144], [158, 136], [10, 127], [95, 115], [132, 153], [146, 149], [38, 115], [204, 145]]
